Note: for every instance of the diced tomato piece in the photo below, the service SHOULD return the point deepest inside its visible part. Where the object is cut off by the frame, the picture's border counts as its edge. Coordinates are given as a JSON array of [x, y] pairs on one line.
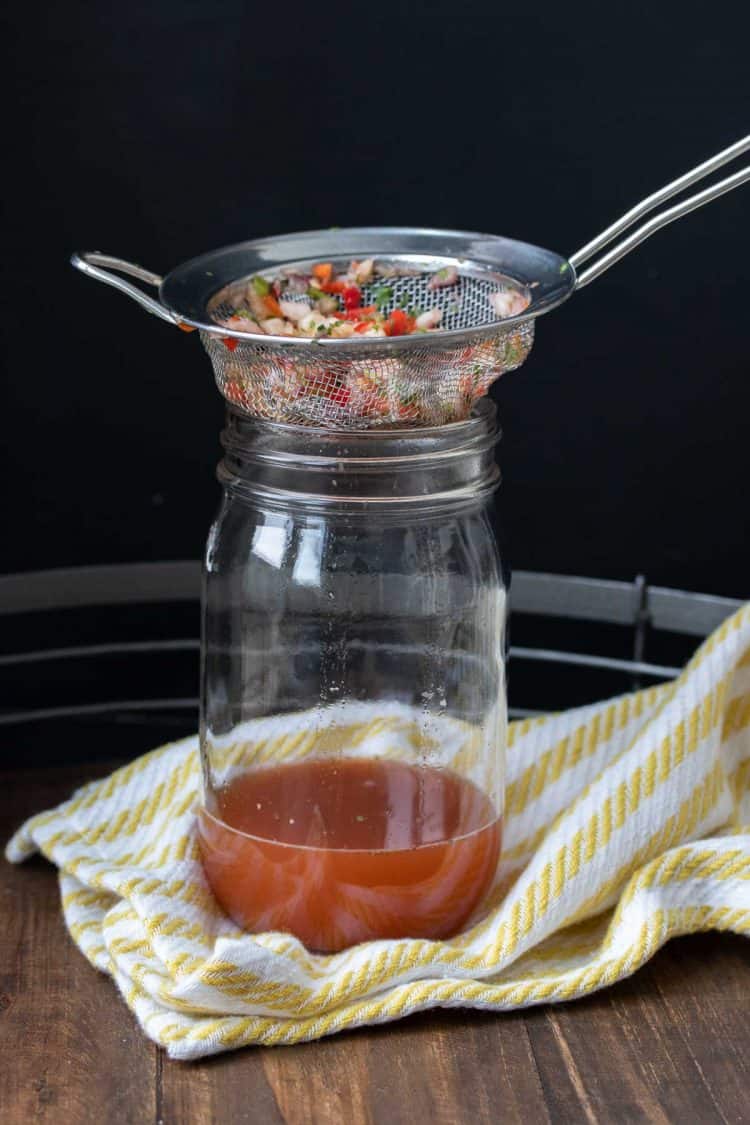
[[185, 327], [229, 343], [360, 312], [399, 323], [351, 296], [323, 271], [332, 286], [362, 326]]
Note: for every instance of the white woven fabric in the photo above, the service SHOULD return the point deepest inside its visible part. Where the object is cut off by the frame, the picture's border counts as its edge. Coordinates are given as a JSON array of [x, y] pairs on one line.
[[626, 823]]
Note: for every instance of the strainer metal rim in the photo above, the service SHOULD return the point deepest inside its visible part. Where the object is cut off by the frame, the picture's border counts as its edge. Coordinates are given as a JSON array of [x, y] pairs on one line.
[[548, 278]]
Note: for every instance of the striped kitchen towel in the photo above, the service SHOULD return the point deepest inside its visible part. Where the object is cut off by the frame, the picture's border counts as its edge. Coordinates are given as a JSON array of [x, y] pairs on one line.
[[627, 823]]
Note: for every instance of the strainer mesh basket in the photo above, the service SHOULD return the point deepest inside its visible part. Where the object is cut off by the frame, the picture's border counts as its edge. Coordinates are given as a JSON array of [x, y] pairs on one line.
[[418, 380]]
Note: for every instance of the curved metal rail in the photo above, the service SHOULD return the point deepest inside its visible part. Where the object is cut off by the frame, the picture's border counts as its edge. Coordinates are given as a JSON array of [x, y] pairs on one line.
[[637, 606]]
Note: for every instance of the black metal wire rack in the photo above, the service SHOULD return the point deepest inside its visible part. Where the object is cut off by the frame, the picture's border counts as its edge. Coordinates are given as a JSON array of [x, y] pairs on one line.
[[84, 640]]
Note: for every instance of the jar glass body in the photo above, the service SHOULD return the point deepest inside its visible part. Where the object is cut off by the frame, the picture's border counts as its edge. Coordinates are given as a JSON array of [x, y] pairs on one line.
[[353, 708]]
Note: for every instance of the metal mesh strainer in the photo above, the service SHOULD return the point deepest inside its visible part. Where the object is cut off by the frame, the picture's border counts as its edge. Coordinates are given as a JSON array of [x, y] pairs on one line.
[[360, 383], [423, 379]]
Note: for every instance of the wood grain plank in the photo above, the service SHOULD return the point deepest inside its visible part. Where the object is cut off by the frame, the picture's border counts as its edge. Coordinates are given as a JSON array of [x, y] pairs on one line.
[[455, 1067], [72, 1051], [445, 1069], [320, 1082], [227, 1089], [623, 1057], [704, 983]]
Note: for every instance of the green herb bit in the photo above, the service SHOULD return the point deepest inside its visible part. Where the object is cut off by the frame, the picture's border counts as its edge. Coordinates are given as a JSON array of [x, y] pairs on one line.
[[382, 296], [316, 294], [261, 286]]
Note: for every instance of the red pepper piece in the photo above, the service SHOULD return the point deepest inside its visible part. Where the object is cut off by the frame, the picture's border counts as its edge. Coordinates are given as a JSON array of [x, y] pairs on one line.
[[351, 296], [229, 342], [339, 395], [332, 286]]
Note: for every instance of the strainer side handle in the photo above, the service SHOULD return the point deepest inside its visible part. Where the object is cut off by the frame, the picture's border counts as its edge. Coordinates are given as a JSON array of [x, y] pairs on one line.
[[92, 263]]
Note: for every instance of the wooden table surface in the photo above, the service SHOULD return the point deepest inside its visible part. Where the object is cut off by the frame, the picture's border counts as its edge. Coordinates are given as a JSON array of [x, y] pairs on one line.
[[672, 1044]]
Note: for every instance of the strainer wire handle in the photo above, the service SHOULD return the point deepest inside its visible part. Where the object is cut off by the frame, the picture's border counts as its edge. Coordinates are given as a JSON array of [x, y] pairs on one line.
[[665, 217], [92, 263]]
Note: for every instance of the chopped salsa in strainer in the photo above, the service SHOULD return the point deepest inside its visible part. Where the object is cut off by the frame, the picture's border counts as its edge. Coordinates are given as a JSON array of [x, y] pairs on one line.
[[356, 302], [403, 341]]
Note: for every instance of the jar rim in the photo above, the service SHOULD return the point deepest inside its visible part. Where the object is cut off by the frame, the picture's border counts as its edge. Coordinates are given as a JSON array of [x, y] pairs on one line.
[[281, 463]]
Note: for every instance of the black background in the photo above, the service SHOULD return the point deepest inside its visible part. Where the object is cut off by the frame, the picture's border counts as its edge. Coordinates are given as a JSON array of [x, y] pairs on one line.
[[155, 131]]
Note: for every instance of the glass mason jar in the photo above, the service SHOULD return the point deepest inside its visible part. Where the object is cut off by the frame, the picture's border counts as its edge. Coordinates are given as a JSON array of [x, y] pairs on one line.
[[353, 711]]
